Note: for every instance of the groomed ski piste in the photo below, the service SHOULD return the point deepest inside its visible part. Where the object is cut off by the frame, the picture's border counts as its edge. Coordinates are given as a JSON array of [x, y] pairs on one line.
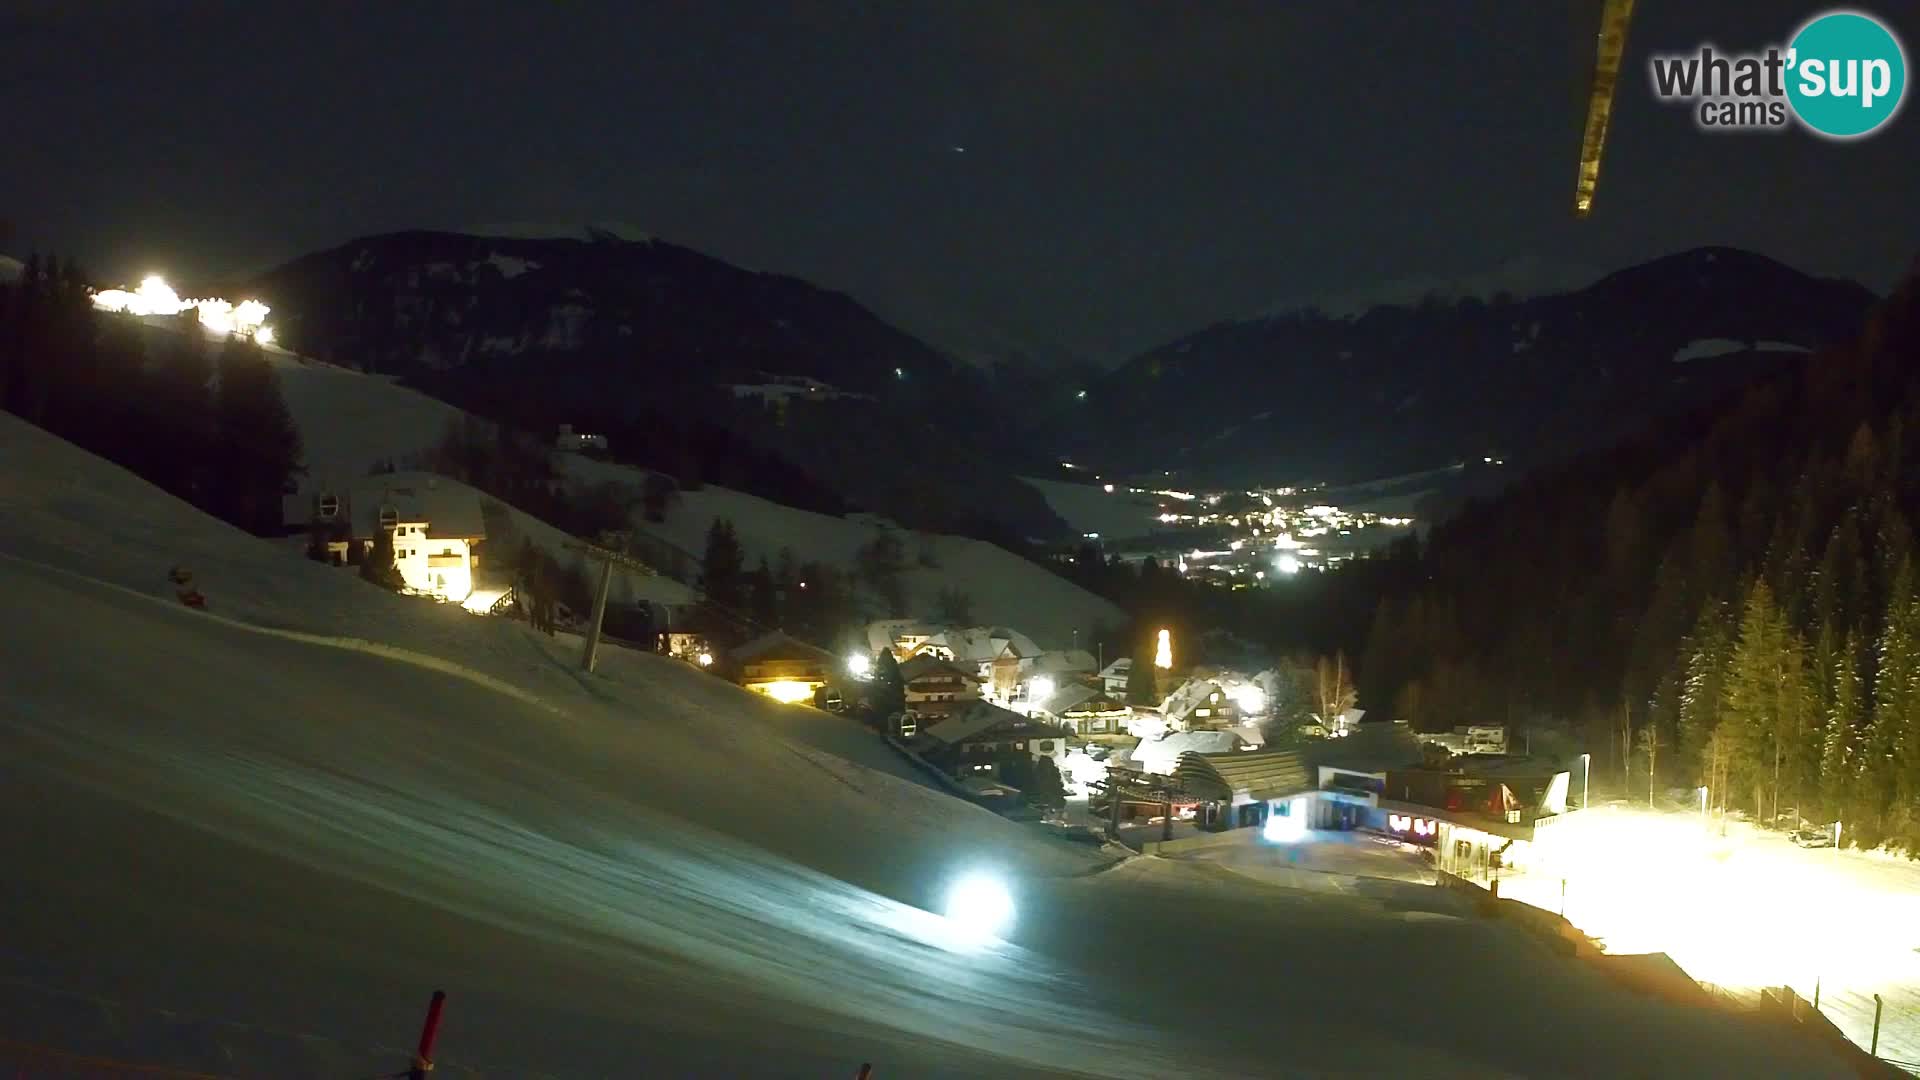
[[251, 840]]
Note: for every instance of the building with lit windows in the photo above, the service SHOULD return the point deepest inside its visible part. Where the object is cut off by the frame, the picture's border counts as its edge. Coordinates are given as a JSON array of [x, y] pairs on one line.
[[783, 668], [435, 530]]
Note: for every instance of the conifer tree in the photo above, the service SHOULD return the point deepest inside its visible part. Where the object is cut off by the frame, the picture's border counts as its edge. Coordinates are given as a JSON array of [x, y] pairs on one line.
[[378, 566], [258, 446]]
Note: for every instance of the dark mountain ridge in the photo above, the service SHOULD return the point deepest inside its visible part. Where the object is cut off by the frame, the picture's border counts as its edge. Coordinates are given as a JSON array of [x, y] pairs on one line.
[[1301, 397], [661, 346]]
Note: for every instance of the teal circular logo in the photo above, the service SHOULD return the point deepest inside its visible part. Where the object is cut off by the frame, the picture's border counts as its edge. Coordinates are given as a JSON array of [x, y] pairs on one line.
[[1847, 74]]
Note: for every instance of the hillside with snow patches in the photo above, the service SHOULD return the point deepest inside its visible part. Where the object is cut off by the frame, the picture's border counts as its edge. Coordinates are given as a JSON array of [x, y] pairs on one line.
[[349, 421], [250, 840], [1349, 392]]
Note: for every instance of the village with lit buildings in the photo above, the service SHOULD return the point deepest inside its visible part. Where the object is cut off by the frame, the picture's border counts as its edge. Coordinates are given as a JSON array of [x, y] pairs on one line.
[[1247, 538]]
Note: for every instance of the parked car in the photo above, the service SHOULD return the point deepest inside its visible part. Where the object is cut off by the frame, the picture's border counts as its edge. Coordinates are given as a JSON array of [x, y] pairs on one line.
[[1810, 837]]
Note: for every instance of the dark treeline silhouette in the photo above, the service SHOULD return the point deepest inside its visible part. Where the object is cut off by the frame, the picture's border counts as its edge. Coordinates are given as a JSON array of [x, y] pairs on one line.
[[205, 423], [678, 442], [1730, 601]]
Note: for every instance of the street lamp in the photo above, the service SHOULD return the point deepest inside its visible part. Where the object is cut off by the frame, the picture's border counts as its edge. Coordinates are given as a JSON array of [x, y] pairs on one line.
[[1586, 771]]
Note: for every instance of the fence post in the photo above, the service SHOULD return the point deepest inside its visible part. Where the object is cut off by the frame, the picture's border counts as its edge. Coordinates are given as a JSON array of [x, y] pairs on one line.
[[423, 1061], [1875, 1048]]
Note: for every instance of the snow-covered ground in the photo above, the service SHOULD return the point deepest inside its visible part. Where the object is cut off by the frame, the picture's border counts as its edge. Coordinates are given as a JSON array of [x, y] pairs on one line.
[[349, 421], [1004, 589], [1746, 909], [250, 840]]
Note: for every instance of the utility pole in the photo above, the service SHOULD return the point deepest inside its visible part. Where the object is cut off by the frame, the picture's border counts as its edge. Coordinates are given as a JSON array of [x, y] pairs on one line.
[[609, 551]]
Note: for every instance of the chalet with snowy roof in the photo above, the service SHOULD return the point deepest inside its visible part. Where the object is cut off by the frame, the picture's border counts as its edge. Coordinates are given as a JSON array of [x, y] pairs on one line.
[[935, 687], [435, 529], [1084, 710], [978, 735], [1113, 677], [1199, 703], [781, 667]]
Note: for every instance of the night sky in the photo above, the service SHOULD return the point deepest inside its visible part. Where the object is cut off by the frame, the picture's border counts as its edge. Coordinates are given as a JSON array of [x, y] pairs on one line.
[[1071, 179]]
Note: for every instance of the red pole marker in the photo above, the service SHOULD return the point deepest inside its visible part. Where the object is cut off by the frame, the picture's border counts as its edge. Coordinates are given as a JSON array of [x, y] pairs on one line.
[[423, 1061]]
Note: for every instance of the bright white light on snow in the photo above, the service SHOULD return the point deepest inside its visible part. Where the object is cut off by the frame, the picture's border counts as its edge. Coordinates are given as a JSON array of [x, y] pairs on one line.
[[859, 665], [704, 659], [1109, 488], [1040, 689], [156, 297], [1288, 827], [1250, 698], [980, 908], [1287, 564]]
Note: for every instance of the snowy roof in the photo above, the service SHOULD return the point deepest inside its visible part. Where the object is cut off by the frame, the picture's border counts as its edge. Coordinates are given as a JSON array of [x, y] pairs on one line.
[[979, 717], [1118, 668], [924, 665], [780, 646], [884, 632], [415, 499], [1257, 774], [1079, 697], [1191, 695], [1251, 734], [1160, 755], [978, 643], [1063, 661]]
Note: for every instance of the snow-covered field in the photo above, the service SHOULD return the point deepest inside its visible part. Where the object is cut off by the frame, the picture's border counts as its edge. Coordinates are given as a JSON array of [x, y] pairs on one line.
[[250, 840], [350, 421], [1746, 909], [1004, 589]]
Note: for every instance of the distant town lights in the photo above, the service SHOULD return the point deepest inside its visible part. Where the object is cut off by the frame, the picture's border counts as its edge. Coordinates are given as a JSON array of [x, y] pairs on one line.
[[1287, 564]]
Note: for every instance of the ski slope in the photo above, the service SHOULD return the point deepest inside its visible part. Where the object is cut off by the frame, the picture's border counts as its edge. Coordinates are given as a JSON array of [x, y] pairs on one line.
[[250, 840], [350, 420]]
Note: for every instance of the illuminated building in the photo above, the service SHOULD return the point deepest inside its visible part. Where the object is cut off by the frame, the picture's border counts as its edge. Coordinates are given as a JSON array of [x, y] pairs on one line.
[[783, 668]]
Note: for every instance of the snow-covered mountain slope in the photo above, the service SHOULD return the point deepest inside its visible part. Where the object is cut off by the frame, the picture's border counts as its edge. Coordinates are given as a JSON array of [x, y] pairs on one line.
[[1004, 588], [351, 420], [1090, 508], [250, 840]]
